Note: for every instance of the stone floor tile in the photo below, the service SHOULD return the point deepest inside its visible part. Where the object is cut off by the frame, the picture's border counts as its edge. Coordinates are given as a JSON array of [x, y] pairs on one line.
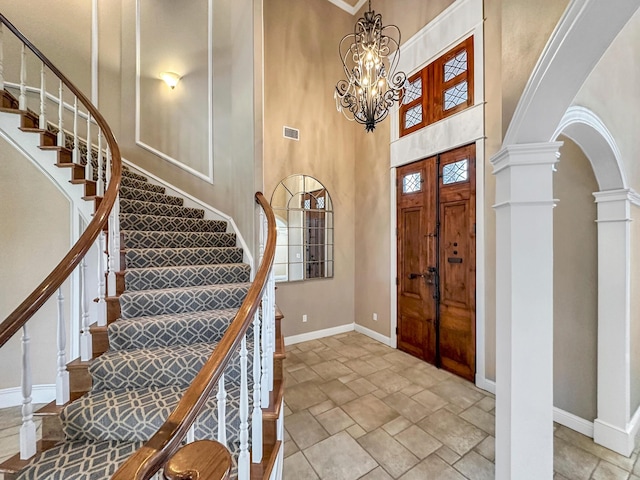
[[338, 392], [487, 404], [487, 448], [396, 426], [456, 393], [407, 407], [377, 474], [453, 431], [310, 345], [321, 407], [419, 377], [331, 342], [388, 381], [290, 448], [573, 462], [349, 378], [448, 455], [306, 375], [388, 452], [430, 400], [432, 468], [286, 410], [557, 476], [377, 362], [354, 351], [396, 357], [305, 430], [419, 442], [634, 477], [361, 386], [340, 457], [328, 354], [476, 467], [455, 409], [356, 431], [296, 467], [304, 395], [608, 471], [599, 451], [361, 367], [335, 420], [481, 419], [331, 370], [377, 348], [310, 358], [412, 390], [369, 412]]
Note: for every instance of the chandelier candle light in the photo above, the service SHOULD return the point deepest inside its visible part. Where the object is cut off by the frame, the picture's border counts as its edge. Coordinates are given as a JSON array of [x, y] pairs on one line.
[[370, 57]]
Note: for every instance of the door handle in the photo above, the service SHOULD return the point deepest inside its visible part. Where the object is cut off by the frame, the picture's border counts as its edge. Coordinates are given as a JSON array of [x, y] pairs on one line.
[[413, 276]]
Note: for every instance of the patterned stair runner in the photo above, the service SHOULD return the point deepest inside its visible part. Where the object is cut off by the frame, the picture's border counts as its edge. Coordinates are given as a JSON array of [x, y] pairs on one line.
[[184, 282]]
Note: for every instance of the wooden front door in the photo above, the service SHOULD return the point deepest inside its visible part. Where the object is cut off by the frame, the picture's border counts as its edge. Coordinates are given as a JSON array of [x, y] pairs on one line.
[[436, 260]]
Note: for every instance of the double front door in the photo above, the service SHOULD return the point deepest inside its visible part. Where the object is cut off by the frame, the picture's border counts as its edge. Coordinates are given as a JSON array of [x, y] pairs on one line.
[[436, 260]]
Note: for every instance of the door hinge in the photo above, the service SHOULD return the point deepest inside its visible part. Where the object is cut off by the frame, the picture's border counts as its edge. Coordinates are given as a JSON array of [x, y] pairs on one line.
[[397, 331], [397, 281]]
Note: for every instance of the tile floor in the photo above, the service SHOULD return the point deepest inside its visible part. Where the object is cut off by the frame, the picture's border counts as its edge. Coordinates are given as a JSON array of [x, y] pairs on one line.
[[357, 409]]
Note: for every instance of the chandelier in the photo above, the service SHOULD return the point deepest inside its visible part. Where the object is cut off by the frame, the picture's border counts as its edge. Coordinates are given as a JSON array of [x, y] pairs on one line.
[[370, 56]]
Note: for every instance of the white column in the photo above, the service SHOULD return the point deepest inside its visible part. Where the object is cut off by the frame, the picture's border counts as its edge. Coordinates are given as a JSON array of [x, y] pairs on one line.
[[524, 311], [612, 428]]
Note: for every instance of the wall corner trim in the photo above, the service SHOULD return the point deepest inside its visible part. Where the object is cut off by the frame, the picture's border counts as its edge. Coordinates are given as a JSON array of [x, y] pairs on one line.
[[373, 334]]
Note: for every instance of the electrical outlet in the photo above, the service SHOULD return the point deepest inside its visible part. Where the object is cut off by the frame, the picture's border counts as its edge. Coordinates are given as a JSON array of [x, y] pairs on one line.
[[304, 317], [375, 317]]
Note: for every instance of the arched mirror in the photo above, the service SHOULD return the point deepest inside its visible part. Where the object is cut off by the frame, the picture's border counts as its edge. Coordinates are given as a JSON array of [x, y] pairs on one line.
[[304, 218]]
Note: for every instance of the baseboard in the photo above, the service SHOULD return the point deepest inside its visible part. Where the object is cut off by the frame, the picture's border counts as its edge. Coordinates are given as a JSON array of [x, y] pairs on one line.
[[573, 422], [373, 334], [486, 384], [615, 438], [327, 332], [12, 397]]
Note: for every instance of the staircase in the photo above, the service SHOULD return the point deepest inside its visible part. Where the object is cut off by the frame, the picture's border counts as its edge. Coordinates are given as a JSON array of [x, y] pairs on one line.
[[181, 285]]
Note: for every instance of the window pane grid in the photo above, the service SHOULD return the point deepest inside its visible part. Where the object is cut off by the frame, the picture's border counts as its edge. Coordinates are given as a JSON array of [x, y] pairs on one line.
[[455, 172], [456, 95], [413, 117], [455, 66], [413, 91]]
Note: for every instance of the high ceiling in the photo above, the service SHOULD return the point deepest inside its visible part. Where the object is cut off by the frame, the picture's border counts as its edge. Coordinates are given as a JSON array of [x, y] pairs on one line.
[[349, 6]]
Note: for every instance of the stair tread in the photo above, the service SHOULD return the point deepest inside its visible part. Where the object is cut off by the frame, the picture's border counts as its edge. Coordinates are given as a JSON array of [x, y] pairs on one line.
[[15, 464], [160, 209]]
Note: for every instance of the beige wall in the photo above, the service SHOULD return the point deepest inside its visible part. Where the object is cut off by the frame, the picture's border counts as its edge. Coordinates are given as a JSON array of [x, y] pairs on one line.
[[611, 92], [635, 310], [575, 284], [34, 237], [234, 111], [300, 74]]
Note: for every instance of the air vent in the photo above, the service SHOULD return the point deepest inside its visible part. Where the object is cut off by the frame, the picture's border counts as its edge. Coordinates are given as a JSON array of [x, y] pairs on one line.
[[291, 133]]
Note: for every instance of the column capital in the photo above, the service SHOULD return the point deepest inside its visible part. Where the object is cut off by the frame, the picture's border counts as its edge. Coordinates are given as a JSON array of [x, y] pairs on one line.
[[615, 205], [527, 154]]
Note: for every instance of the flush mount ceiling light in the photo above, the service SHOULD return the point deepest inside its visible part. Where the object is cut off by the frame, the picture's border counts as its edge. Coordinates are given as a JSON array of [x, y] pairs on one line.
[[370, 57], [170, 78]]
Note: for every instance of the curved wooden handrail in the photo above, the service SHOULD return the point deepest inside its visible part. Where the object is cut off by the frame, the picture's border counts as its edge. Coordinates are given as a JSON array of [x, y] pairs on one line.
[[63, 270], [167, 440]]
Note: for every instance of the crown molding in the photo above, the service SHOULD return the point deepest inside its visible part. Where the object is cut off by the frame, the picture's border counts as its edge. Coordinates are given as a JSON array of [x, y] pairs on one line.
[[348, 8]]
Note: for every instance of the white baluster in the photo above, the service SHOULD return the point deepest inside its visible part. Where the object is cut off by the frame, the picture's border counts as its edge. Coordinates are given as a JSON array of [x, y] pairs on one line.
[[243, 457], [256, 416], [1, 57], [62, 376], [60, 115], [42, 124], [102, 280], [191, 434], [86, 349], [264, 377], [114, 244], [76, 143], [222, 412], [89, 167], [101, 171], [28, 428], [22, 99]]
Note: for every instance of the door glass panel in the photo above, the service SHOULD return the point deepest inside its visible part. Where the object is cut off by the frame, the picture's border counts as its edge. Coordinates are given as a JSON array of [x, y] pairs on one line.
[[455, 66], [456, 95], [455, 172], [412, 183]]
